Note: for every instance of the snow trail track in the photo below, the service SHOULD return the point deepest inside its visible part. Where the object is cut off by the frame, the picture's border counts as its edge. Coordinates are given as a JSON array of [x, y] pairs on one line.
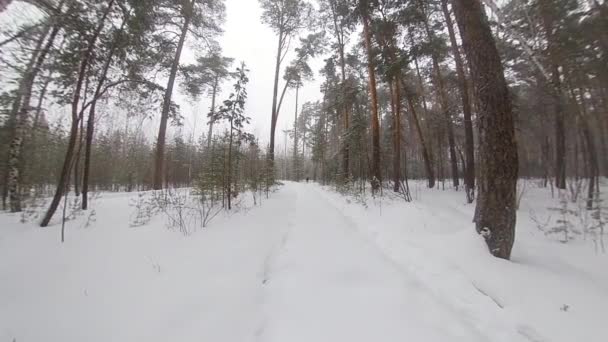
[[329, 283]]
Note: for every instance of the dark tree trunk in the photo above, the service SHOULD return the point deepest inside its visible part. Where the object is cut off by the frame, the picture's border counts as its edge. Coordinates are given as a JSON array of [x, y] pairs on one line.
[[77, 180], [159, 160], [498, 161], [469, 143], [375, 124]]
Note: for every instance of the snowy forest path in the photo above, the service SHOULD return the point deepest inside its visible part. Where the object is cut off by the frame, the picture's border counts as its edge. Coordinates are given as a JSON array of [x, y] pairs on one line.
[[327, 282]]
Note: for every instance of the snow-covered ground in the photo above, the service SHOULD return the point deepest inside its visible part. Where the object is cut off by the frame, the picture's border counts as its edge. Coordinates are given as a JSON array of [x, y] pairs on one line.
[[308, 265]]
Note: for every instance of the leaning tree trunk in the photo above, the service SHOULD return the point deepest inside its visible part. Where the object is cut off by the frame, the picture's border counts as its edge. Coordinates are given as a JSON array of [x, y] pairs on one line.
[[275, 93], [498, 161], [377, 176], [22, 118], [91, 121], [63, 182], [159, 159], [469, 144]]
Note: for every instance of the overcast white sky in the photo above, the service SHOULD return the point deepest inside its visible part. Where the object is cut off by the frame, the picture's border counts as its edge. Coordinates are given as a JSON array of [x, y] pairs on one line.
[[246, 39]]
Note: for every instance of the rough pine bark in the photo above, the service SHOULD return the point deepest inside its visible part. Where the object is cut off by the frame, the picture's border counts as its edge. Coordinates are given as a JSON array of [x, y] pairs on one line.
[[159, 160], [498, 161]]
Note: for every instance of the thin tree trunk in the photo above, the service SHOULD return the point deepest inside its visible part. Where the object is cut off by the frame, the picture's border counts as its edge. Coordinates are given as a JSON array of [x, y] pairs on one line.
[[469, 144], [295, 139], [428, 165], [159, 161], [212, 119], [592, 156], [229, 172], [275, 91], [396, 100], [498, 161], [77, 161]]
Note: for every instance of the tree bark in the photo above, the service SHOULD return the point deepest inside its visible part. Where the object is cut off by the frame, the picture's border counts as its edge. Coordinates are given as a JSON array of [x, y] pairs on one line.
[[498, 161], [164, 118], [469, 143], [375, 124], [556, 94]]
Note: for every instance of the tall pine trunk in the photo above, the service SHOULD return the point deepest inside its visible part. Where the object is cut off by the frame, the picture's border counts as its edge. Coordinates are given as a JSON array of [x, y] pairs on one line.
[[443, 102], [495, 215], [296, 174], [159, 160], [469, 144], [375, 124], [546, 11], [396, 100]]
